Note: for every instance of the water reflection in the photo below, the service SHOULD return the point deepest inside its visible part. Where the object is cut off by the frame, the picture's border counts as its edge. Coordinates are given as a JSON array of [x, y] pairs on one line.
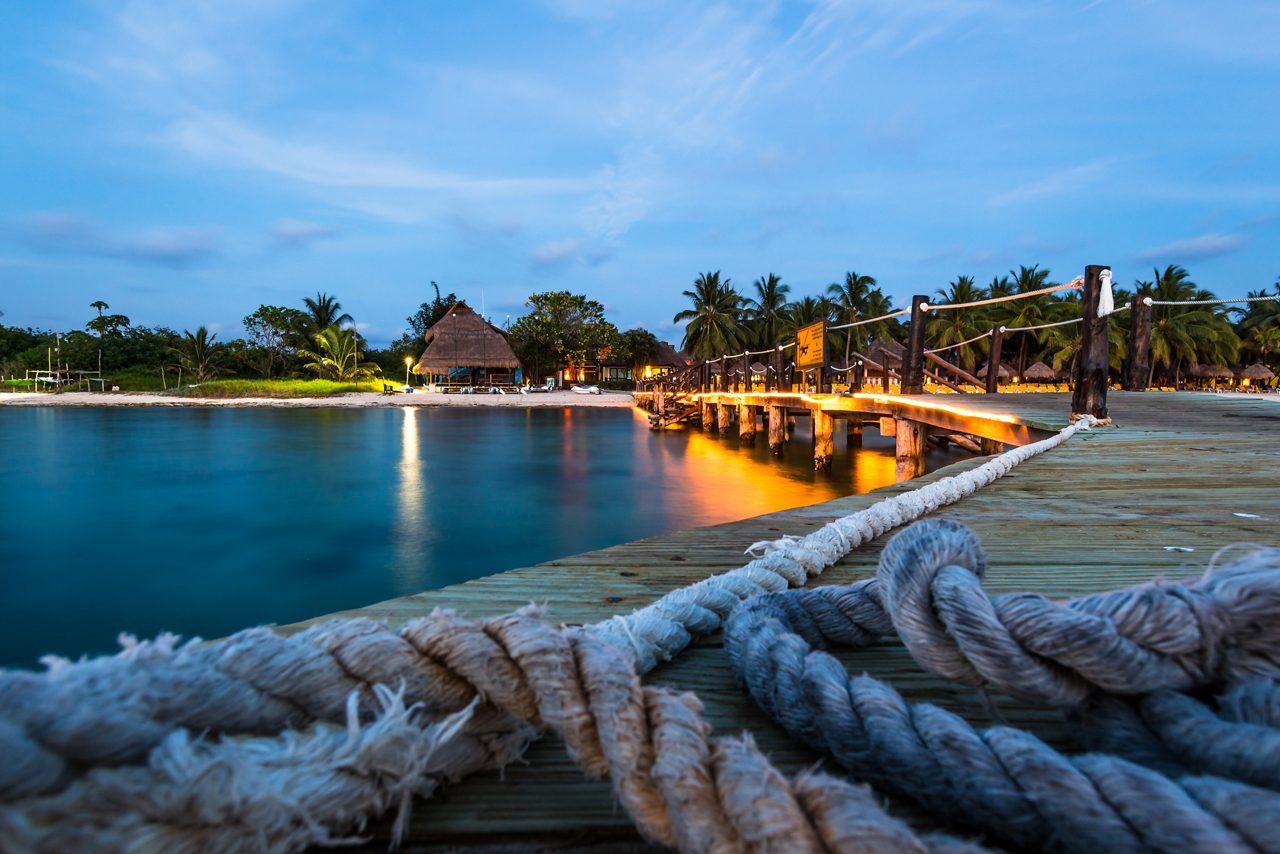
[[412, 523]]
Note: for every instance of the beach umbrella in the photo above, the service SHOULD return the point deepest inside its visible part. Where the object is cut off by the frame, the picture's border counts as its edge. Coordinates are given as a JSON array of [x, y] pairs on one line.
[[1040, 372], [1212, 372], [1256, 373], [1004, 373]]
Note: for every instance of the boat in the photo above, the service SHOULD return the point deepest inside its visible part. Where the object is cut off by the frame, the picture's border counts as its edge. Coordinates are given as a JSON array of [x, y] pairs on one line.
[[585, 389]]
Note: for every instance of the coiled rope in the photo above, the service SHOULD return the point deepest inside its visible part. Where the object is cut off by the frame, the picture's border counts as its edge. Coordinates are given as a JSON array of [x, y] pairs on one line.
[[1003, 781]]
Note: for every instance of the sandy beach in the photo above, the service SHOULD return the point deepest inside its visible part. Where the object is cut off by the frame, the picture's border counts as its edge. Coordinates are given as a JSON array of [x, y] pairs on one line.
[[345, 401]]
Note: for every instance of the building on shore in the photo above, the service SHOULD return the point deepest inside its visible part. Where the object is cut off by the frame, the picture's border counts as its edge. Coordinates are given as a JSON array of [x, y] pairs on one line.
[[463, 349], [667, 359]]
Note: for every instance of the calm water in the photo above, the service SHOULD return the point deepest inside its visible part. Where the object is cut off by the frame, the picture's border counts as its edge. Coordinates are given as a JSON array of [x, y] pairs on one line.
[[202, 522]]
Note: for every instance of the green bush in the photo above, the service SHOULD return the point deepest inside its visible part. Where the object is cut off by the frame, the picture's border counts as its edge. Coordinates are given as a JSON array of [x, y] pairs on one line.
[[276, 388]]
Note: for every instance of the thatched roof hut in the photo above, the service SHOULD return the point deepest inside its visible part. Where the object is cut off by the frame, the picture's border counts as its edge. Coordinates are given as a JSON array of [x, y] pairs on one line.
[[463, 339], [892, 347], [1213, 372], [1257, 372], [1003, 374], [668, 356], [1040, 372]]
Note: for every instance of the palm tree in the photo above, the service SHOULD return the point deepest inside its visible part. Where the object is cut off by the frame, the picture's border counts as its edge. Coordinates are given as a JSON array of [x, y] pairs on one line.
[[1185, 336], [1265, 341], [324, 311], [1030, 311], [200, 354], [713, 324], [766, 310], [945, 328], [851, 303], [879, 304], [337, 356]]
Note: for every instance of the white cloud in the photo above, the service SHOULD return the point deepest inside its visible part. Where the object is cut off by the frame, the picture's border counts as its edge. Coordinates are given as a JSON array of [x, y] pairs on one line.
[[1193, 248], [1066, 182]]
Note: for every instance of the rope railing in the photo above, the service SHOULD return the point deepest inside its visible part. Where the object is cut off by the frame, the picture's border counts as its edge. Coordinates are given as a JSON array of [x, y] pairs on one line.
[[1267, 298], [1068, 322], [888, 316], [986, 334], [1074, 284]]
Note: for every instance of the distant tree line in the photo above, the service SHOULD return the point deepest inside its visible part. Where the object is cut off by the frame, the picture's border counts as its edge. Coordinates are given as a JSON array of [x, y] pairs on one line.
[[723, 321]]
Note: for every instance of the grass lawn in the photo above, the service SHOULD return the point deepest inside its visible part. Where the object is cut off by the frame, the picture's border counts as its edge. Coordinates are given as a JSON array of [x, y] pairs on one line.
[[277, 388]]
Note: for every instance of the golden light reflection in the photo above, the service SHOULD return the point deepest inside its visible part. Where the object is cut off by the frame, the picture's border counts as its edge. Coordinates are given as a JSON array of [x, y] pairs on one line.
[[882, 399], [411, 532]]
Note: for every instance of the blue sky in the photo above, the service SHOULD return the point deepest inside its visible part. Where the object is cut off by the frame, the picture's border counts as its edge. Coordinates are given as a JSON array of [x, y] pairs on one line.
[[187, 161]]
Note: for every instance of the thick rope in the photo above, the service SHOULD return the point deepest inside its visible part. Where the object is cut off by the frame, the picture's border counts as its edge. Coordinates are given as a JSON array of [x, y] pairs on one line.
[[1074, 284], [986, 334], [890, 315], [1267, 298], [1177, 734], [1006, 782], [681, 787]]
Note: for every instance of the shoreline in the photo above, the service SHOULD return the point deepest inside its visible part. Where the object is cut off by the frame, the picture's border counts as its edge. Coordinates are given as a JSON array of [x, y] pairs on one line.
[[352, 400]]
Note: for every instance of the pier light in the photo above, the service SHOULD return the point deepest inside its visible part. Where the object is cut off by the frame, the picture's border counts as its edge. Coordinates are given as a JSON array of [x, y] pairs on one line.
[[408, 360]]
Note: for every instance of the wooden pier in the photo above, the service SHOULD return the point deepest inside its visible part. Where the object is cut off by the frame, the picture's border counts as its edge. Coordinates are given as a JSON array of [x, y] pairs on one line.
[[1111, 508]]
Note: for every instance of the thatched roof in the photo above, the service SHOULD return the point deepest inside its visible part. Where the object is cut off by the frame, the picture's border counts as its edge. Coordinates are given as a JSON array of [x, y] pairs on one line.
[[1257, 372], [1040, 371], [669, 356], [1213, 372], [1005, 373], [893, 347], [463, 339]]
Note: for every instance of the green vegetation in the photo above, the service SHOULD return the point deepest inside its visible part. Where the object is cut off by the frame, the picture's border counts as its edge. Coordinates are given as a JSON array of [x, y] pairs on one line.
[[277, 388]]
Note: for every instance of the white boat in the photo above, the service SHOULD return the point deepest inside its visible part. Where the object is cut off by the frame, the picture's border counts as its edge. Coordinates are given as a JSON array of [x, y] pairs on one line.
[[585, 389]]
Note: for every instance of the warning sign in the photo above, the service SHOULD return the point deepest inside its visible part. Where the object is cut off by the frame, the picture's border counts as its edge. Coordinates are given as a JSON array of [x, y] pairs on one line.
[[809, 349]]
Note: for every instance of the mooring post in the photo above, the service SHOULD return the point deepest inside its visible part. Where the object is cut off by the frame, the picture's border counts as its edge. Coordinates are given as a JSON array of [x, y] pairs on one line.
[[746, 424], [912, 438], [777, 418], [823, 440], [993, 363], [854, 436], [1089, 394], [913, 360], [1139, 345]]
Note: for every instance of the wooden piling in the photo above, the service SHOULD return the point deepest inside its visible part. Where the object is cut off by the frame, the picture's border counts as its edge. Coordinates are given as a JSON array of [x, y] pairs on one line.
[[1139, 345], [777, 417], [823, 440], [854, 435], [993, 361], [912, 440], [723, 418], [746, 424], [913, 360], [991, 446], [1089, 391], [708, 416]]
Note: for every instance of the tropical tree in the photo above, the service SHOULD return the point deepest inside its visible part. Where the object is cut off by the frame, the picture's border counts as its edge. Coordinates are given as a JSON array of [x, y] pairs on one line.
[[879, 304], [713, 326], [337, 356], [276, 331], [561, 327], [945, 328], [1265, 341], [638, 347], [766, 311], [1030, 311], [851, 298], [1184, 336], [200, 354], [324, 311]]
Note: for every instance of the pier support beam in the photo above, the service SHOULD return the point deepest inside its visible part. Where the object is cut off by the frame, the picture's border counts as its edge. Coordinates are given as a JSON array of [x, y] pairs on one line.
[[723, 418], [991, 447], [1139, 345], [855, 433], [746, 424], [824, 447], [777, 417], [708, 416], [1089, 393], [912, 439]]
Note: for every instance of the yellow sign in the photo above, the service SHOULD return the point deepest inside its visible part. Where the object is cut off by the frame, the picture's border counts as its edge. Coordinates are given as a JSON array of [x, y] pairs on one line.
[[809, 349]]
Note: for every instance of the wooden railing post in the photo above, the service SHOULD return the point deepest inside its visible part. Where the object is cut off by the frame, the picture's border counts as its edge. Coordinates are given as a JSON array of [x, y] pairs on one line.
[[993, 360], [724, 373], [883, 358], [859, 372], [913, 361], [1139, 345], [1089, 393]]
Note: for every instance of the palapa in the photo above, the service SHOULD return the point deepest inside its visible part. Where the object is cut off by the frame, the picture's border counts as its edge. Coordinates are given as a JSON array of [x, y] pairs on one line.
[[1004, 372], [1257, 372], [1040, 372], [1213, 372], [463, 339]]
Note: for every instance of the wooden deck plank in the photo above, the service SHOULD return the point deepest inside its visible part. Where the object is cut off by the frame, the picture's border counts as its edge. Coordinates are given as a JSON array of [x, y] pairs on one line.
[[1094, 514]]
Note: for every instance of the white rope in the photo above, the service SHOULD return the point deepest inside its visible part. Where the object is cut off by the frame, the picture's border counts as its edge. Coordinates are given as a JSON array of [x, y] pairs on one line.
[[961, 344], [891, 314], [1074, 284], [1267, 298], [1124, 307], [660, 630]]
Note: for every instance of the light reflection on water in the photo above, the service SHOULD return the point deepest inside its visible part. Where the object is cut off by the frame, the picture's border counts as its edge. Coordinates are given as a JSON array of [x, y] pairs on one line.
[[206, 521]]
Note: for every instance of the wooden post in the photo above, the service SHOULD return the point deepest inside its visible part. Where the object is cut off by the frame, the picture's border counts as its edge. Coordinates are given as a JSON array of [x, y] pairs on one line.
[[912, 439], [657, 401], [746, 424], [823, 440], [993, 363], [777, 416], [854, 436], [990, 446], [883, 357], [1139, 345], [859, 371], [1089, 393], [724, 374], [723, 418], [913, 361], [708, 416]]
